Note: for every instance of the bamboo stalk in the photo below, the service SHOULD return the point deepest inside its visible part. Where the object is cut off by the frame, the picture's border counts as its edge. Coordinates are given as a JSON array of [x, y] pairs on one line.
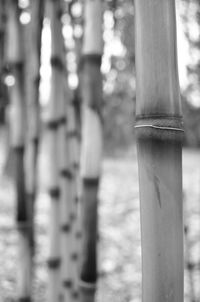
[[66, 177], [66, 235], [72, 137], [159, 133], [91, 147], [65, 184], [2, 61], [67, 149], [15, 62], [61, 233], [73, 133], [33, 50]]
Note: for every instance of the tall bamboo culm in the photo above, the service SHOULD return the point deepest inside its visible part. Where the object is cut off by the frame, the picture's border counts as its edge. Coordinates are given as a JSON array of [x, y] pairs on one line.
[[33, 33], [73, 138], [55, 120], [91, 145], [66, 153], [2, 60], [15, 64], [73, 143], [66, 180], [159, 131], [65, 175]]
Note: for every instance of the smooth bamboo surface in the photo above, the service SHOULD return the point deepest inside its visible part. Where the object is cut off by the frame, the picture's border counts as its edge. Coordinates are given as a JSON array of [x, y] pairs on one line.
[[156, 62], [161, 220], [159, 131]]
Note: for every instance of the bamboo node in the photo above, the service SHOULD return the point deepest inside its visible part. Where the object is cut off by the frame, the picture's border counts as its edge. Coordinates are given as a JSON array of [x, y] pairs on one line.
[[75, 294], [25, 299], [63, 120], [190, 266], [52, 124], [19, 149], [53, 263], [72, 134], [94, 58], [16, 66], [56, 62], [160, 128], [74, 256], [67, 283], [54, 192], [76, 199], [65, 228], [91, 181], [87, 285], [66, 173]]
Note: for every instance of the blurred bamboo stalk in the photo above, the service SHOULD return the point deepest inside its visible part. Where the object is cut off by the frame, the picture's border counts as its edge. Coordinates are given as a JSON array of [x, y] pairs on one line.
[[91, 145], [33, 33], [67, 155], [65, 181], [74, 139], [56, 117], [3, 99], [15, 64], [66, 177], [74, 148], [189, 264], [159, 132]]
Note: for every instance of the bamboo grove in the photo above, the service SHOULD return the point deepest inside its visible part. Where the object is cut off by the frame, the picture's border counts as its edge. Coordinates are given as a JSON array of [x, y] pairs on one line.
[[73, 128]]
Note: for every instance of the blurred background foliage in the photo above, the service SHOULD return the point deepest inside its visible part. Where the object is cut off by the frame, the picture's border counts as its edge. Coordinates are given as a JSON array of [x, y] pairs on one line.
[[118, 65], [118, 68], [120, 100], [119, 81]]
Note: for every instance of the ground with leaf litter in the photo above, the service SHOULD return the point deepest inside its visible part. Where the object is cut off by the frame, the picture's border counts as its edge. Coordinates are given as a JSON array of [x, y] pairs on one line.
[[119, 244]]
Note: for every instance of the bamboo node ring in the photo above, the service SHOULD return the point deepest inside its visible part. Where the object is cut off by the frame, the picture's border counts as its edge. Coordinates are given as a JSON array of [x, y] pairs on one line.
[[160, 128], [25, 299], [87, 285]]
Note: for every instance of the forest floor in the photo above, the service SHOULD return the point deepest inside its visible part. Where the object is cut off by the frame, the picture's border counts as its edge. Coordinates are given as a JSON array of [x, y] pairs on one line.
[[119, 244]]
